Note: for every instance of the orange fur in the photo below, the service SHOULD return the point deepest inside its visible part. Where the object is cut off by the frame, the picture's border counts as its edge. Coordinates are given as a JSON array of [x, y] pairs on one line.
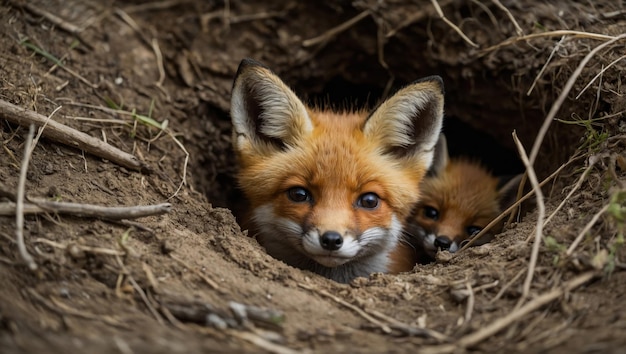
[[335, 163], [457, 202]]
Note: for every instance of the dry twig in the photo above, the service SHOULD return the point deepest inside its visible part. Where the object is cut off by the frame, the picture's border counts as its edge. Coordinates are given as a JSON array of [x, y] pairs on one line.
[[64, 310], [408, 329], [206, 279], [56, 20], [71, 137], [384, 327], [140, 291], [262, 343], [452, 25], [574, 34], [335, 30], [518, 29], [592, 161], [470, 303], [586, 229], [40, 206], [541, 211], [19, 207]]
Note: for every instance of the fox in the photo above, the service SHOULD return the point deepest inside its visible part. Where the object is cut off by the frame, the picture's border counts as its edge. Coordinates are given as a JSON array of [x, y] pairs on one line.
[[459, 198], [327, 191]]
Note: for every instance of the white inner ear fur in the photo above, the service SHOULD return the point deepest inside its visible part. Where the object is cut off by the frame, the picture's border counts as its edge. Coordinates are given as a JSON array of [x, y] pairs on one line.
[[281, 113], [400, 121]]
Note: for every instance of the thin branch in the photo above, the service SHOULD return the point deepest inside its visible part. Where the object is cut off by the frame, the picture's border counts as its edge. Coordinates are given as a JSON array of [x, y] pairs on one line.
[[384, 327], [140, 291], [416, 17], [574, 34], [507, 286], [335, 30], [56, 20], [586, 229], [541, 212], [408, 329], [454, 27], [592, 162], [518, 29], [600, 73], [206, 279], [70, 136], [40, 206], [545, 65], [470, 303], [19, 207], [159, 58], [262, 343]]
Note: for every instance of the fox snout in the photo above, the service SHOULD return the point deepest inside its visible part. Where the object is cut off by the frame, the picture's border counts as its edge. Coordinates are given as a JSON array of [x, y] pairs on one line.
[[443, 242], [331, 240]]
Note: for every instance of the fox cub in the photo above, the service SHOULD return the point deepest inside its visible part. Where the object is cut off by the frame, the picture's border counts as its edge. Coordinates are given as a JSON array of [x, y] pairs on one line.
[[330, 192], [459, 198]]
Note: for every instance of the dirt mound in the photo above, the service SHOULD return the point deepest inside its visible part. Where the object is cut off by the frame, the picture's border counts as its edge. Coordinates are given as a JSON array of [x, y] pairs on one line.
[[153, 79]]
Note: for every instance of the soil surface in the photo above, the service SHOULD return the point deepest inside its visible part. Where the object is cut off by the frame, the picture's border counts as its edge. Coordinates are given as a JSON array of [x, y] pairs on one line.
[[153, 79]]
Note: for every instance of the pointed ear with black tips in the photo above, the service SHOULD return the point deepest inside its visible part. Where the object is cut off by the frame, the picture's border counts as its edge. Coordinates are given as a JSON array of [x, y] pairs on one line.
[[408, 123], [265, 113], [507, 190]]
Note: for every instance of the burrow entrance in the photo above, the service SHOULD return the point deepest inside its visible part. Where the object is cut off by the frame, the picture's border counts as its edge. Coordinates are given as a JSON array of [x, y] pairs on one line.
[[487, 98], [479, 132]]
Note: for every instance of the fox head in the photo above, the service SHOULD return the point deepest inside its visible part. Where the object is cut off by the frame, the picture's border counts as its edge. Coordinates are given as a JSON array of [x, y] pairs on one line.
[[328, 189], [459, 198]]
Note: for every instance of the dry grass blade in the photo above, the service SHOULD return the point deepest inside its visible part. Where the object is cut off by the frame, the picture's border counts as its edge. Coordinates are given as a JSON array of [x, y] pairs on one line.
[[600, 74], [452, 25], [336, 30], [408, 329], [541, 212], [206, 279], [262, 343], [384, 327], [19, 208], [592, 161], [518, 29], [559, 33], [586, 229]]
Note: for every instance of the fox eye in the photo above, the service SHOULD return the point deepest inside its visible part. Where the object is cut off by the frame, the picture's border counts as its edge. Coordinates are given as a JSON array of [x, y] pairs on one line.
[[473, 230], [368, 200], [431, 213], [299, 194]]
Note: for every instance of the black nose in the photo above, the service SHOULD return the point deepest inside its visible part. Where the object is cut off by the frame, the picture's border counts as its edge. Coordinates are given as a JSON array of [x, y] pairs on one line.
[[331, 240], [443, 242]]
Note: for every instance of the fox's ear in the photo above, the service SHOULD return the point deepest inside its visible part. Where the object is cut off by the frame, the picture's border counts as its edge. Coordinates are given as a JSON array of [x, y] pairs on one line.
[[440, 160], [265, 113], [507, 190], [409, 122]]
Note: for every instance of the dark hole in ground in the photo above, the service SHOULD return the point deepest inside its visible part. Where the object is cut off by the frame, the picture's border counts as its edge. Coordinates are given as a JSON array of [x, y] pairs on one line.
[[463, 139]]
